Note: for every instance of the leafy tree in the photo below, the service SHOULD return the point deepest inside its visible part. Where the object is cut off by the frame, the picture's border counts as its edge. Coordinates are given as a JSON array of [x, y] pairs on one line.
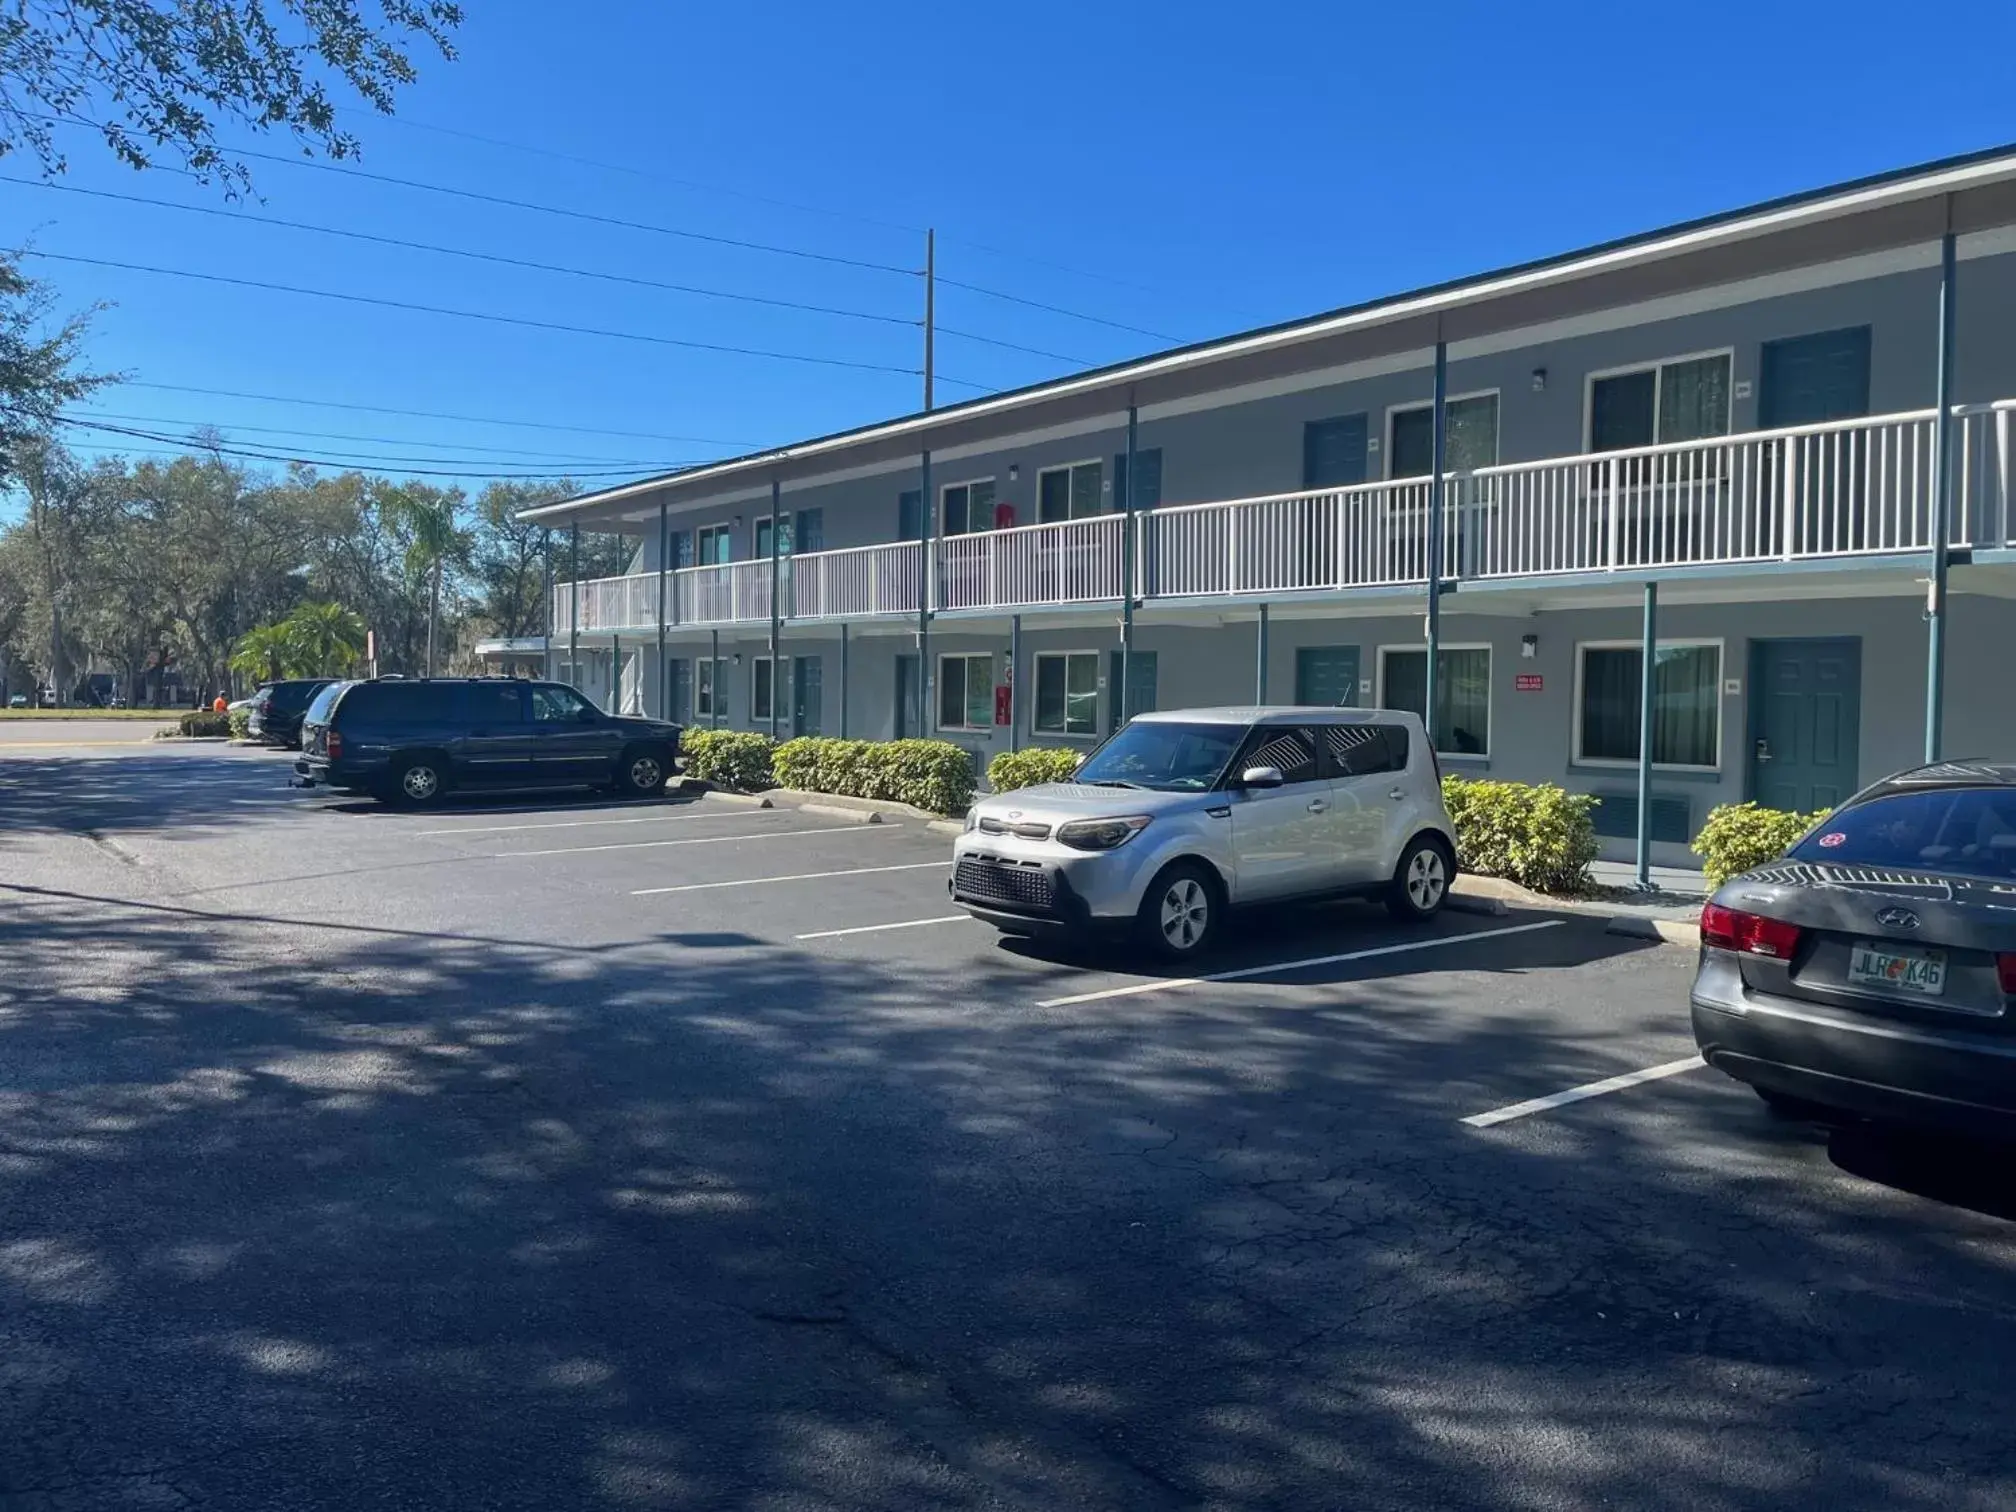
[[264, 654], [327, 640], [38, 369], [428, 520], [159, 76]]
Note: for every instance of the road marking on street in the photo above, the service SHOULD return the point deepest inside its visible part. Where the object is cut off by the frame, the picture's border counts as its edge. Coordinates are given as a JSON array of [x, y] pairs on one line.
[[1245, 972], [852, 871], [498, 829], [829, 829], [1581, 1093], [829, 934]]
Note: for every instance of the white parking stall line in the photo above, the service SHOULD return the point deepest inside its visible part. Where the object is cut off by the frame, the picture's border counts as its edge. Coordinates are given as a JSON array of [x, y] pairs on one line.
[[852, 871], [827, 829], [830, 934], [499, 829], [1582, 1093], [1246, 972]]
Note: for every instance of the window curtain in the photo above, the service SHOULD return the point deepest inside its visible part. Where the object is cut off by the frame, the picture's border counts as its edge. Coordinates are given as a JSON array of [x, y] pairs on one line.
[[1463, 694], [1686, 705], [1694, 399]]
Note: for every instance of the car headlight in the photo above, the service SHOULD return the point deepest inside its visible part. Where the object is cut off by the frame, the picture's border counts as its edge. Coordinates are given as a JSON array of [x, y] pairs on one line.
[[1101, 834], [972, 820]]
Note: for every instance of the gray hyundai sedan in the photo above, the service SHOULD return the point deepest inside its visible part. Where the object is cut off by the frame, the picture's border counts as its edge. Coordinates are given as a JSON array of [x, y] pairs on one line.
[[1872, 969]]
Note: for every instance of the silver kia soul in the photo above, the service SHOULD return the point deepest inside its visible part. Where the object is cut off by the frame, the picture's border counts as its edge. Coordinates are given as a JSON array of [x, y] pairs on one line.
[[1181, 816]]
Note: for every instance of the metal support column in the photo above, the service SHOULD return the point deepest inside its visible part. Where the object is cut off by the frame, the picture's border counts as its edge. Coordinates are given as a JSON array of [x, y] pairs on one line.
[[1260, 659], [1647, 690], [1128, 587], [714, 679], [843, 679], [927, 591], [776, 604], [1440, 424], [664, 665], [546, 574], [1942, 509], [574, 604], [1014, 682], [615, 673]]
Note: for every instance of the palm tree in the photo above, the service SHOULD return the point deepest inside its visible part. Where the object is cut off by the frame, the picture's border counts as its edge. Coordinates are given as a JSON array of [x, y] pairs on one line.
[[326, 639], [264, 654], [426, 517]]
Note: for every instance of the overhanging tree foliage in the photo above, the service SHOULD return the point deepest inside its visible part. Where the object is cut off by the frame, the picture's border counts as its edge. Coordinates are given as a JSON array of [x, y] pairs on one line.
[[157, 77]]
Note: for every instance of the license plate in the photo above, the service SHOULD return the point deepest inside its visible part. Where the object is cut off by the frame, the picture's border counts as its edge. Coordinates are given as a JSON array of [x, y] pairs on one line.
[[1921, 973]]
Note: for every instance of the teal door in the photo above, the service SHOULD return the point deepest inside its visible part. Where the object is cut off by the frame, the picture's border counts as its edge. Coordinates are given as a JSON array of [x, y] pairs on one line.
[[806, 692], [1326, 676], [1806, 380], [1140, 687], [1805, 722]]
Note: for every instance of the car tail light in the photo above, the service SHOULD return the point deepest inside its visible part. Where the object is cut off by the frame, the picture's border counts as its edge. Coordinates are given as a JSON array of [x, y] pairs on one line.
[[332, 745], [1748, 933], [2005, 971]]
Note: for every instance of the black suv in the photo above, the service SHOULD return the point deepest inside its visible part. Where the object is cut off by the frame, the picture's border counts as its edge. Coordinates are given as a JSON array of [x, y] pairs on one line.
[[411, 741], [278, 706]]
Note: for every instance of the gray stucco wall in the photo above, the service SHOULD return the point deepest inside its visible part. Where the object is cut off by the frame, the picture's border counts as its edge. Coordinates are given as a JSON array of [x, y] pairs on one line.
[[1531, 732], [1255, 447]]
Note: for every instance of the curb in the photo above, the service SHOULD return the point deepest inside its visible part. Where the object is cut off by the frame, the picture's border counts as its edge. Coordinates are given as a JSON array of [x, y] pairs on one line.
[[1666, 931], [1475, 903]]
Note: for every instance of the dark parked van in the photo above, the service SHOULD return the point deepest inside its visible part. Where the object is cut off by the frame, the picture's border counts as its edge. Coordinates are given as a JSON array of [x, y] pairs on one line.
[[278, 706], [411, 741]]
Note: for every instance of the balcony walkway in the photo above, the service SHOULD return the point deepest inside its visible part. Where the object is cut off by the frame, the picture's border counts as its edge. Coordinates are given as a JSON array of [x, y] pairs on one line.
[[1847, 491]]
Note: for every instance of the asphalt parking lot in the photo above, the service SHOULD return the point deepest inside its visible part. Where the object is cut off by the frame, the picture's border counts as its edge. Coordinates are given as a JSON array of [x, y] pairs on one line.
[[569, 1153]]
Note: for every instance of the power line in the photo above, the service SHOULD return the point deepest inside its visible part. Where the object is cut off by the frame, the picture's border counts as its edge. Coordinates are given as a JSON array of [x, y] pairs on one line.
[[350, 465], [582, 215], [945, 330], [1056, 309], [387, 409], [765, 199], [345, 457], [483, 315], [285, 430], [490, 257]]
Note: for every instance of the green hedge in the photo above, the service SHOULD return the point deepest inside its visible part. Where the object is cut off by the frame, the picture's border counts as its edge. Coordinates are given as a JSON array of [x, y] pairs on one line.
[[240, 723], [1020, 769], [1540, 836], [203, 722], [1739, 836], [927, 774], [729, 758]]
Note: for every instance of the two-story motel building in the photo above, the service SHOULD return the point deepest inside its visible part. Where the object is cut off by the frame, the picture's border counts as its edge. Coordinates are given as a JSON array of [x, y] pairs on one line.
[[1726, 435]]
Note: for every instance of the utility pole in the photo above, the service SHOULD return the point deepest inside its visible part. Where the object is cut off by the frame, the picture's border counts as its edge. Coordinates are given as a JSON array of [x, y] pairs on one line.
[[930, 308]]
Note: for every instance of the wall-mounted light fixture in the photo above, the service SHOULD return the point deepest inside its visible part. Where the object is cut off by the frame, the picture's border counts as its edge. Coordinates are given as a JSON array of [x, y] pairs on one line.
[[1540, 380], [1529, 646], [1014, 471]]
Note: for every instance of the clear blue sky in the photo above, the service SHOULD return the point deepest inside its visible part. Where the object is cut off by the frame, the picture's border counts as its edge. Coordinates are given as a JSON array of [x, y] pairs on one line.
[[1200, 169]]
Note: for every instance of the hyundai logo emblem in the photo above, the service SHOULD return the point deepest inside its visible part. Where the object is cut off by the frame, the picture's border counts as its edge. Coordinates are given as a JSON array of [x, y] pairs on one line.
[[1897, 918]]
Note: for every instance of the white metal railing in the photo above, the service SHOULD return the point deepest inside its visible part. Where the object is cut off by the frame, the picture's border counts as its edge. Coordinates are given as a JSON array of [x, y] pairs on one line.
[[860, 580], [724, 593], [1071, 562], [1844, 489]]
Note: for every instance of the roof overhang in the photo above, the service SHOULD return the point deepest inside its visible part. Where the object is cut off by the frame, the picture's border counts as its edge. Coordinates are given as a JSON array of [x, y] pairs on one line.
[[1915, 206]]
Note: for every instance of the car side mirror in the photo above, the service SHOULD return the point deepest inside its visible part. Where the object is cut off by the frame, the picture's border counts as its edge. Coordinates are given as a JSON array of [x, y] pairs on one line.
[[1261, 777]]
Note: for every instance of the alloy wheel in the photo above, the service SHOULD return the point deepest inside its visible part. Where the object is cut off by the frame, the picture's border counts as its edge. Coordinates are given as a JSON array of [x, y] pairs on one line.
[[420, 783], [646, 774], [1186, 913], [1427, 879]]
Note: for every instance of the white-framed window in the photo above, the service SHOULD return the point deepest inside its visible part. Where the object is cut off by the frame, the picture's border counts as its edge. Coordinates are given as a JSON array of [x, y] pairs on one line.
[[1070, 492], [966, 690], [1674, 399], [1067, 693], [704, 670], [1471, 440], [1686, 704], [965, 508], [1462, 693], [713, 544], [762, 688]]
